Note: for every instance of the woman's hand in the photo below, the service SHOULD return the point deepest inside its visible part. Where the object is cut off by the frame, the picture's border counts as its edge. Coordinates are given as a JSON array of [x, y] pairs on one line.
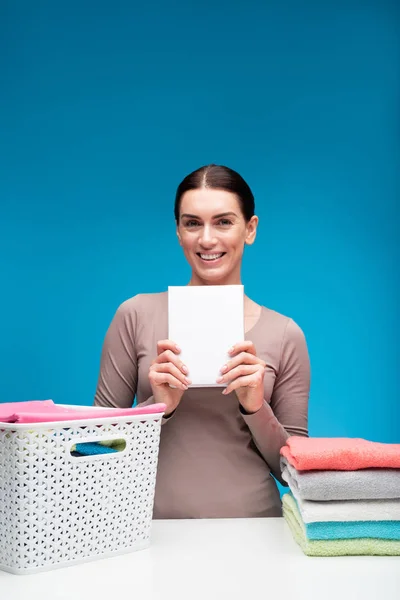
[[165, 371], [244, 374]]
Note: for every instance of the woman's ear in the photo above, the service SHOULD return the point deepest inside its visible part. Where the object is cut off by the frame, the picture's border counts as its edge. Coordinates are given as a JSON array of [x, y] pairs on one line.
[[251, 230], [179, 236]]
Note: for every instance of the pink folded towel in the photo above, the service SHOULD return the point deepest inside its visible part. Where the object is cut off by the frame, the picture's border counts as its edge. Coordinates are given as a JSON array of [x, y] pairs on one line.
[[34, 405], [45, 411], [341, 454]]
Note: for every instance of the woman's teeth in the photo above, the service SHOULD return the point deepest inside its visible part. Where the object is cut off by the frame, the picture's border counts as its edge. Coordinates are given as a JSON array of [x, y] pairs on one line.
[[211, 256]]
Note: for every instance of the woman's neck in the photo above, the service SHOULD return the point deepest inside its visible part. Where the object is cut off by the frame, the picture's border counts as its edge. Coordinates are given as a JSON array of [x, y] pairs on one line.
[[194, 280]]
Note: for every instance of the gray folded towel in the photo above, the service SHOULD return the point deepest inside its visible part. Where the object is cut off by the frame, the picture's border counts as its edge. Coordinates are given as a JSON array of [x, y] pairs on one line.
[[363, 484]]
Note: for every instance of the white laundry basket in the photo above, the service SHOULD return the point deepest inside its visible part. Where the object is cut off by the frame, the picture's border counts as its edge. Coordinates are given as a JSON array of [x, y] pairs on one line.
[[57, 509]]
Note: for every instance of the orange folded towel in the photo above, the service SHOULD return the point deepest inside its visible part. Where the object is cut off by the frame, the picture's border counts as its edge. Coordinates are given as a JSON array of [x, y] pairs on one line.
[[341, 454]]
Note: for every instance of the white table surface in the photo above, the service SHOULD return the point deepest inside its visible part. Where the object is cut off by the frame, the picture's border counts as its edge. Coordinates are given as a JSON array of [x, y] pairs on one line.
[[214, 559]]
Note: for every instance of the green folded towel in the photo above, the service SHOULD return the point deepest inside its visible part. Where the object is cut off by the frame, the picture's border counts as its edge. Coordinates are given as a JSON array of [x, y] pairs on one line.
[[118, 445], [341, 547]]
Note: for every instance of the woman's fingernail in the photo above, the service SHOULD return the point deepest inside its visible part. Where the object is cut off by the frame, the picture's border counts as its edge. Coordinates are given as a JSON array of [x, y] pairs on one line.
[[231, 349], [187, 381], [184, 369], [177, 348], [224, 368], [220, 379], [224, 392]]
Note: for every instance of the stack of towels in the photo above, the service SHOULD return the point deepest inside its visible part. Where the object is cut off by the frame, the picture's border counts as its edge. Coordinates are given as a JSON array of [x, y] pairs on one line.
[[344, 495]]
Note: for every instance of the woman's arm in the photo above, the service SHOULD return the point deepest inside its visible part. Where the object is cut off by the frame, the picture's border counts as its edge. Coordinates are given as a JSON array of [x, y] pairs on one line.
[[287, 412], [118, 378], [117, 382]]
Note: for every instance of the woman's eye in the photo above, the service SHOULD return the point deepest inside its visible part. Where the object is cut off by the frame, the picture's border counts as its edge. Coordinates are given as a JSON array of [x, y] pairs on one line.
[[193, 223]]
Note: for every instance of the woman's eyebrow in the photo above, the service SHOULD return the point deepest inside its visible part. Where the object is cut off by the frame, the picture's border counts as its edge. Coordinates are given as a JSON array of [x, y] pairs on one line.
[[226, 214]]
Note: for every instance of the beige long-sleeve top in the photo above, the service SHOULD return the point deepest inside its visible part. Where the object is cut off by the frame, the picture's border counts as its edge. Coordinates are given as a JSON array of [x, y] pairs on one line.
[[214, 460]]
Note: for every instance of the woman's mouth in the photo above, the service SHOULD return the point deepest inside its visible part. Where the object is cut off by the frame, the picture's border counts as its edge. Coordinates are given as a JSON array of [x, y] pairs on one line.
[[211, 258]]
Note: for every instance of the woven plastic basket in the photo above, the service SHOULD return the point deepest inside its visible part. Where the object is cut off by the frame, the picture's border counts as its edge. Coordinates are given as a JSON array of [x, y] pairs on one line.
[[57, 509]]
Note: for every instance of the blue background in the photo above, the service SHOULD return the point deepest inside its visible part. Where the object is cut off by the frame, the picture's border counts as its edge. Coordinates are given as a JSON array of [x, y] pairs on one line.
[[105, 106]]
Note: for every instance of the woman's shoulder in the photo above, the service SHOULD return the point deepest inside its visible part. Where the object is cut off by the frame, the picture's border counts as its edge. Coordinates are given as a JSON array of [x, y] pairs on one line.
[[144, 303], [283, 325]]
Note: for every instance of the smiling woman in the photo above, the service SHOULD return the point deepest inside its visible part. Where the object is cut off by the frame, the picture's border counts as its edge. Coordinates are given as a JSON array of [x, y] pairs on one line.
[[218, 449]]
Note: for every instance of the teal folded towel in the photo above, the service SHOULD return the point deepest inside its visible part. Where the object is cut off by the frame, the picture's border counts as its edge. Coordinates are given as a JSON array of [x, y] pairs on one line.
[[335, 530], [93, 448]]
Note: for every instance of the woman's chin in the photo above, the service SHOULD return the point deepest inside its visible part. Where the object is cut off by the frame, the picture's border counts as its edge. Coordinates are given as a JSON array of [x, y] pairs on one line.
[[216, 277]]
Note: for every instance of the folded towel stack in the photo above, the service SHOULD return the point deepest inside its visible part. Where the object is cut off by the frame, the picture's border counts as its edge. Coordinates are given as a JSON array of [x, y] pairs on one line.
[[344, 495]]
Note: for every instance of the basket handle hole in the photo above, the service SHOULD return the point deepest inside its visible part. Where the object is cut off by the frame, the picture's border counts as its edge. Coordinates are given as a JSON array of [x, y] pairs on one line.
[[94, 448]]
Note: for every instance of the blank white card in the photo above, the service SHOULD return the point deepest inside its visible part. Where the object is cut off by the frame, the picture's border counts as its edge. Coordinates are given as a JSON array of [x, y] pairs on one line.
[[205, 321]]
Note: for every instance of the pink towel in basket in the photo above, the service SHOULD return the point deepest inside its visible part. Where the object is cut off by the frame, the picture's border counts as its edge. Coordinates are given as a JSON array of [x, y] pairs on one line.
[[45, 411], [341, 454], [8, 409]]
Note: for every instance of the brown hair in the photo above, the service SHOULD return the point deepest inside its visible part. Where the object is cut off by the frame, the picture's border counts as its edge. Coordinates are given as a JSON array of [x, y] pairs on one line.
[[217, 177]]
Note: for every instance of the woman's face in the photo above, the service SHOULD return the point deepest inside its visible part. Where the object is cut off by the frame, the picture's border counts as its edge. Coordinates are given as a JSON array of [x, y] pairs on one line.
[[212, 232]]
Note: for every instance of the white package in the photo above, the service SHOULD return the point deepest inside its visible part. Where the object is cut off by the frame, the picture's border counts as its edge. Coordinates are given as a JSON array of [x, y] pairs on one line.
[[205, 322]]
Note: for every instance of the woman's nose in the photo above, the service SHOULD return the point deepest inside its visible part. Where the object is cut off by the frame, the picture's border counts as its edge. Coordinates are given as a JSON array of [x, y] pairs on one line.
[[207, 237]]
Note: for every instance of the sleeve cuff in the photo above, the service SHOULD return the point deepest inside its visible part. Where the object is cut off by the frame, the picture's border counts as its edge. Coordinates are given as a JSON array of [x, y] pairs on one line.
[[260, 416], [167, 418]]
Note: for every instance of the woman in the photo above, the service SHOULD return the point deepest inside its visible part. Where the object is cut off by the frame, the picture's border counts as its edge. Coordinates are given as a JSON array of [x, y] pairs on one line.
[[217, 449]]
